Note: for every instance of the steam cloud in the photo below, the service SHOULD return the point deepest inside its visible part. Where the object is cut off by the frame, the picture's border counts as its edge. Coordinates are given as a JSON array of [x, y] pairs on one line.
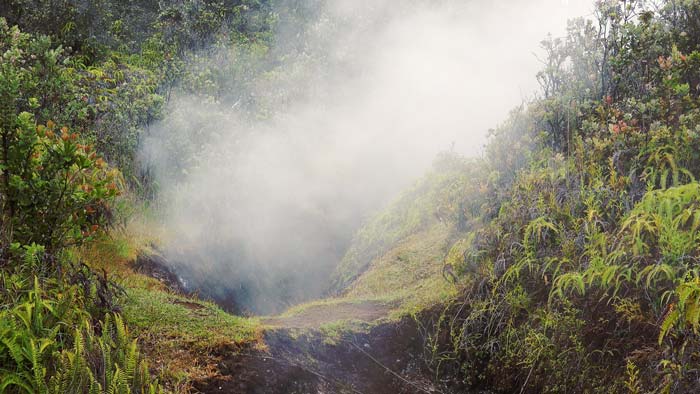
[[358, 102]]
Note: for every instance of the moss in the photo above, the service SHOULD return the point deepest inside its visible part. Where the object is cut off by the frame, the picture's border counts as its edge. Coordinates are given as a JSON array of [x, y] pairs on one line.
[[410, 274], [184, 338], [326, 302]]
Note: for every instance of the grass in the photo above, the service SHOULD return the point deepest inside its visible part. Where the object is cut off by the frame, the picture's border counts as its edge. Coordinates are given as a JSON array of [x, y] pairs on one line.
[[182, 337], [328, 302], [415, 211], [335, 331], [408, 279], [406, 273], [410, 274], [195, 322]]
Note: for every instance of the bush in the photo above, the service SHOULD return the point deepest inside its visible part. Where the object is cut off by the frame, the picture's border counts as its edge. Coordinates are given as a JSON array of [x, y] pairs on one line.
[[55, 189]]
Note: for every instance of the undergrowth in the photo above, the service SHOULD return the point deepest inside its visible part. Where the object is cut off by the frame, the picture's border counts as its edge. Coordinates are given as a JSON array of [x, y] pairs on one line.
[[580, 270]]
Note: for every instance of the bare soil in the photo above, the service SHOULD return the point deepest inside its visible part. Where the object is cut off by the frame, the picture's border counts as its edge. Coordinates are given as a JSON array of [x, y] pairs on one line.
[[299, 359]]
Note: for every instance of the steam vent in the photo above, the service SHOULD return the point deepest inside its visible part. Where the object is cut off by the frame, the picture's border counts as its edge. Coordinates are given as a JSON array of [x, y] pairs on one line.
[[349, 197]]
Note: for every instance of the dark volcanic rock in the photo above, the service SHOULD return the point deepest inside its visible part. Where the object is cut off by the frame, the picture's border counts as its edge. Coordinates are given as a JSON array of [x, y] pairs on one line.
[[156, 266]]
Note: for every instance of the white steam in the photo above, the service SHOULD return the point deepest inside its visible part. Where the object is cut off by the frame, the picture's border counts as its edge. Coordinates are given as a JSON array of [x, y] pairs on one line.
[[359, 103]]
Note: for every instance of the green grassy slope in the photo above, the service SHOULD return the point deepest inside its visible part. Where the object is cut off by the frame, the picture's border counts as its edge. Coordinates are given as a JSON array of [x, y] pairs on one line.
[[182, 337], [403, 248]]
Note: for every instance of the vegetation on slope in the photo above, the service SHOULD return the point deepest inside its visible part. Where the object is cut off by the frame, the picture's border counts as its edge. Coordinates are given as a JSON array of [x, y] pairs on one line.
[[182, 337], [79, 82], [586, 256], [576, 235], [432, 205]]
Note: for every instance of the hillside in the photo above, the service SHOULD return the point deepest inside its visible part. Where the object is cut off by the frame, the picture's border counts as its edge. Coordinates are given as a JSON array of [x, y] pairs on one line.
[[575, 240], [562, 259]]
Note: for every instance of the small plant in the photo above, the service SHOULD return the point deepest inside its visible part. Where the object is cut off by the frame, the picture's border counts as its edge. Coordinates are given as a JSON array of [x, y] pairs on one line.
[[106, 363], [633, 383]]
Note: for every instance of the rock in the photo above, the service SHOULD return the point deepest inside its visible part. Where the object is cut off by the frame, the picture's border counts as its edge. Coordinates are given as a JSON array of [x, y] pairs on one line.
[[157, 267]]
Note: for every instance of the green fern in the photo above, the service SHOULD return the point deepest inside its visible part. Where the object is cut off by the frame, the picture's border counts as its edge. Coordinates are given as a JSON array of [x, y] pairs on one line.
[[633, 383], [686, 312], [31, 359], [538, 231]]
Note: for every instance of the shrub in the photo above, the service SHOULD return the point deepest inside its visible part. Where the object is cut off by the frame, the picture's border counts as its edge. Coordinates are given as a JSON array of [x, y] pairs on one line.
[[55, 189]]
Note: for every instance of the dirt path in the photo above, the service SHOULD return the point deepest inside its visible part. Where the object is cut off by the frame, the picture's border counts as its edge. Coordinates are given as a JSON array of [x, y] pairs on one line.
[[386, 359], [300, 359], [317, 315]]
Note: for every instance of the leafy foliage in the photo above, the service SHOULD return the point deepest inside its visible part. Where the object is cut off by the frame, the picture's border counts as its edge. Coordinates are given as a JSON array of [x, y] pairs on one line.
[[35, 356], [590, 261], [57, 330], [55, 188]]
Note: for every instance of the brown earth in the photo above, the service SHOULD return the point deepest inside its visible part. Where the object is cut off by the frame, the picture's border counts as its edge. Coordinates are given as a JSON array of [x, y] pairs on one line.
[[387, 358], [384, 360]]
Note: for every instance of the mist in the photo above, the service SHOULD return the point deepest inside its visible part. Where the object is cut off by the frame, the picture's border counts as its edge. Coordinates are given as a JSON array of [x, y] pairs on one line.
[[263, 187]]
